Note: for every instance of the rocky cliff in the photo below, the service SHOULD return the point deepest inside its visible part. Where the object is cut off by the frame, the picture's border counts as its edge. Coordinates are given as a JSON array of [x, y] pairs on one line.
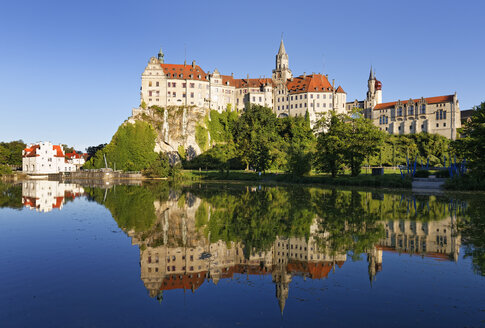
[[176, 127]]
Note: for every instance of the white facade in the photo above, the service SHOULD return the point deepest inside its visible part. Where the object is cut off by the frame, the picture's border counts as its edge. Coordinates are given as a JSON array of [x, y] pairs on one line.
[[45, 158]]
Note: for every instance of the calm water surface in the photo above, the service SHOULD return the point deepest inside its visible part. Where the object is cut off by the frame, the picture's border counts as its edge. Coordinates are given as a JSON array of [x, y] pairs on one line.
[[234, 255]]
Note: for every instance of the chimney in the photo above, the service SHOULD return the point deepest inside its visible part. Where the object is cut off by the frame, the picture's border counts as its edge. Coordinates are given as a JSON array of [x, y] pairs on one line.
[[304, 74], [193, 63], [185, 63]]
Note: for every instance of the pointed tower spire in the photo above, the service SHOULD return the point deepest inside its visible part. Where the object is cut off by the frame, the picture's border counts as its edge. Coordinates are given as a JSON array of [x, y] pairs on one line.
[[282, 47], [371, 75]]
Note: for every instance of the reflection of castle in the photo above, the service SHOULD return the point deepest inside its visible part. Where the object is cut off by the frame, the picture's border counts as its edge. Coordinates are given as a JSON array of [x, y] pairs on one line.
[[44, 195], [433, 239], [175, 256]]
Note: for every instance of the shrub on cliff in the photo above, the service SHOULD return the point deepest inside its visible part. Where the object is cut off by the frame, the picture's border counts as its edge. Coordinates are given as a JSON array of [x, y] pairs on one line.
[[130, 149]]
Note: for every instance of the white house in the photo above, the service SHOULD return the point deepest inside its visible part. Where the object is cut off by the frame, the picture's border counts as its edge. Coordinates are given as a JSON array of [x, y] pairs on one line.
[[45, 158], [75, 158]]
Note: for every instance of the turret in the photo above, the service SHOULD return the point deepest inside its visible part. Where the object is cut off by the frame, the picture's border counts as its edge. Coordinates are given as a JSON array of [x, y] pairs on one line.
[[282, 71], [160, 56]]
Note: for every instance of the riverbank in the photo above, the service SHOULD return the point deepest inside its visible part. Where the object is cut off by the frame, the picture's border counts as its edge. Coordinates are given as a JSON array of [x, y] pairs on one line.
[[384, 181]]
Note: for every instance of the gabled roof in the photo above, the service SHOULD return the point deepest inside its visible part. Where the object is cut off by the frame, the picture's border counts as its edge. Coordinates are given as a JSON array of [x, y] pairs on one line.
[[184, 72], [340, 90], [430, 100], [74, 155], [183, 281], [58, 150], [31, 151], [252, 83], [309, 83]]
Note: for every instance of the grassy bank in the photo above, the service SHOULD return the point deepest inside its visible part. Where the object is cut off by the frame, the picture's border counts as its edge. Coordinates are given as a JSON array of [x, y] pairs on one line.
[[390, 180]]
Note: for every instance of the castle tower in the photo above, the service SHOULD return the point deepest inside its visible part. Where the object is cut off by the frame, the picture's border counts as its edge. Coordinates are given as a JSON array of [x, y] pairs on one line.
[[282, 71], [282, 280], [374, 90]]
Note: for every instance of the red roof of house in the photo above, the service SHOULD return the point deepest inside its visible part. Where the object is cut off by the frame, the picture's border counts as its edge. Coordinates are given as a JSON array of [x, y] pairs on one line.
[[30, 201], [309, 83], [340, 90], [31, 152], [58, 150], [430, 100], [58, 203], [184, 72], [317, 270], [74, 155]]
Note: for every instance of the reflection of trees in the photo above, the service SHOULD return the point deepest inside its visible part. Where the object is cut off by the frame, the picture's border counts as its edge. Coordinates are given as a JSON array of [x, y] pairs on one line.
[[346, 225], [256, 216], [132, 207], [472, 229], [10, 196]]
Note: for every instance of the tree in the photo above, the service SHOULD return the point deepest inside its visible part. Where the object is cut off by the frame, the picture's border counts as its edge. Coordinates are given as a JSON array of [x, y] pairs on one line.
[[92, 150], [330, 143], [11, 152], [472, 146], [130, 149], [363, 140], [256, 137]]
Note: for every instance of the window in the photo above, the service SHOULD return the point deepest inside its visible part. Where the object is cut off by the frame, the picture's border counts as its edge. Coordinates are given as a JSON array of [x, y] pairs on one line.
[[158, 84], [150, 83], [437, 125], [423, 109], [318, 96], [444, 124], [311, 96], [260, 99], [411, 110], [183, 95], [149, 93], [324, 96], [174, 84], [399, 111], [191, 95], [192, 85], [174, 94]]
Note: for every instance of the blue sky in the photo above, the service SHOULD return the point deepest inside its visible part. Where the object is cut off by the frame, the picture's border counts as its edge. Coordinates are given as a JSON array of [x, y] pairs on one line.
[[70, 70]]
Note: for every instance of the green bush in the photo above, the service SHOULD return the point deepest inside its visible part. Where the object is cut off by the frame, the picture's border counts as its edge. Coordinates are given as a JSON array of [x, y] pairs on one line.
[[4, 170]]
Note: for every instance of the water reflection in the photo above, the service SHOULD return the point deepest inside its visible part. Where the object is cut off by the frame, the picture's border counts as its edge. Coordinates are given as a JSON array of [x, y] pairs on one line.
[[188, 236], [44, 196]]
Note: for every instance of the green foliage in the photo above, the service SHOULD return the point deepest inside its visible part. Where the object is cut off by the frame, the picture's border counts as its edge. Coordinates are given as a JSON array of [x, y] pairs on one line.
[[346, 139], [130, 149], [11, 152], [10, 196], [472, 145], [160, 168], [472, 228], [5, 170], [201, 137], [422, 146], [143, 104], [181, 152]]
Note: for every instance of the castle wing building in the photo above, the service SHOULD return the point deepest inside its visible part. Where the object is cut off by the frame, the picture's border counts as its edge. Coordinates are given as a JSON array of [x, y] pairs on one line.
[[440, 115]]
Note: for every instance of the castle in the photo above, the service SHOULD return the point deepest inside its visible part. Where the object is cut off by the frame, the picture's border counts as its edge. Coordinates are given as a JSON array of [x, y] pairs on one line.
[[168, 85]]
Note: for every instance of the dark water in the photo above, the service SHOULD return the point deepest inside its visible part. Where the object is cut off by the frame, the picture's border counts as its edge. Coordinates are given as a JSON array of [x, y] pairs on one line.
[[234, 255]]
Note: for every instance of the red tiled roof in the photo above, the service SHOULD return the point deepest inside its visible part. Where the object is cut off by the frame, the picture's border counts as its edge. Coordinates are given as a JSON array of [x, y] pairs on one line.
[[184, 72], [58, 150], [74, 155], [252, 83], [58, 203], [30, 201], [31, 152], [430, 100], [317, 270], [183, 281], [340, 90], [309, 83]]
